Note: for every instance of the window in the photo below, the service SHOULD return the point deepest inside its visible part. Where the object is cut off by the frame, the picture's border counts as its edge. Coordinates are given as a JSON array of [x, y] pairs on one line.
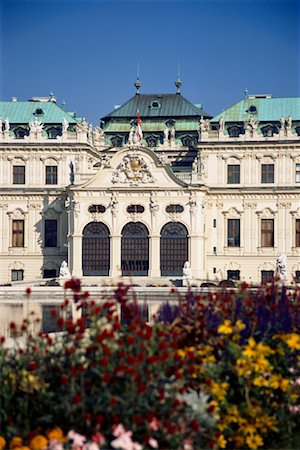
[[267, 275], [269, 130], [233, 274], [135, 209], [297, 241], [297, 276], [297, 129], [49, 273], [21, 132], [18, 233], [267, 232], [152, 141], [51, 233], [297, 173], [172, 209], [18, 174], [17, 275], [233, 173], [97, 209], [267, 173], [235, 131], [53, 132], [233, 233], [51, 174], [117, 141]]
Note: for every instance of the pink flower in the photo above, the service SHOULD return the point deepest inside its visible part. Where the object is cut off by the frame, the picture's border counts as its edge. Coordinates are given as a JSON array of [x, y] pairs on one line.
[[153, 443], [188, 444], [154, 424], [55, 444], [98, 438], [124, 440], [91, 446], [78, 440]]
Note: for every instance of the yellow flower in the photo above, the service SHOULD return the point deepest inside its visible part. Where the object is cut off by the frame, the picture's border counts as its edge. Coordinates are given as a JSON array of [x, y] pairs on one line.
[[293, 341], [56, 433], [260, 381], [181, 353], [221, 441], [254, 440], [219, 390], [2, 443], [15, 442], [249, 428], [39, 442], [226, 328], [240, 325]]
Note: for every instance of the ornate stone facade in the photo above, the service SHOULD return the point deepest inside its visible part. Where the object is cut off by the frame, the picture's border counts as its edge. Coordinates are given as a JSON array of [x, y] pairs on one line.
[[229, 202]]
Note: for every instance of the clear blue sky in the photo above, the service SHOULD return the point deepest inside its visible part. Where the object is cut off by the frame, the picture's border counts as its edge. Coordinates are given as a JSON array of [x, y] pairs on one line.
[[87, 51]]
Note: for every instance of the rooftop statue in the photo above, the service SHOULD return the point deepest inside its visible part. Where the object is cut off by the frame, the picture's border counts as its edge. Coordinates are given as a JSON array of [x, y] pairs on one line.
[[65, 125], [204, 124], [7, 126], [222, 124], [166, 134], [195, 165], [289, 122]]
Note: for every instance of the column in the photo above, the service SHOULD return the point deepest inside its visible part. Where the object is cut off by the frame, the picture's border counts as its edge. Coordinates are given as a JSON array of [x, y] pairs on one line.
[[197, 256], [75, 255], [154, 256], [115, 256]]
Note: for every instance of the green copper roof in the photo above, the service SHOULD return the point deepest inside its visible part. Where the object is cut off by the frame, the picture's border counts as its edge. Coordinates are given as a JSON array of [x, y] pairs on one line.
[[267, 109], [157, 105], [25, 112]]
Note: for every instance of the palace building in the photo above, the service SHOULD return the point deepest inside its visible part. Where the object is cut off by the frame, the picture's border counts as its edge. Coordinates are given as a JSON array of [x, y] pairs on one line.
[[159, 182]]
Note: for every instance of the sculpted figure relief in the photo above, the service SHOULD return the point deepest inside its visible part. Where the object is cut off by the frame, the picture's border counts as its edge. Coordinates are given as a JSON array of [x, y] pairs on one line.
[[7, 126], [281, 266], [65, 125], [204, 124], [187, 274]]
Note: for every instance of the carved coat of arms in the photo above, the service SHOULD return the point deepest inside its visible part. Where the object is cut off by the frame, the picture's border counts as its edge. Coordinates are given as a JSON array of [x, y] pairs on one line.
[[133, 170]]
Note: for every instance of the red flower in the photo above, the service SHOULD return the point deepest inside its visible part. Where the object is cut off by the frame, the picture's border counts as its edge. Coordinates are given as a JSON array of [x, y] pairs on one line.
[[64, 379], [138, 420], [53, 312], [130, 340], [60, 321], [12, 326], [28, 291], [99, 419], [32, 366], [195, 425], [76, 399], [106, 377], [88, 417], [74, 284], [142, 388], [113, 401], [2, 340]]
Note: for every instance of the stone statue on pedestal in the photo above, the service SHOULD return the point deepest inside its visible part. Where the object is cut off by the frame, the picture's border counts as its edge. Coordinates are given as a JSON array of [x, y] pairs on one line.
[[187, 276], [64, 271]]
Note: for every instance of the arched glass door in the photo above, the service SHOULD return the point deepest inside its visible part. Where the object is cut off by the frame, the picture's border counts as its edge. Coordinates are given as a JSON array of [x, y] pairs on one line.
[[95, 250], [173, 248], [135, 249]]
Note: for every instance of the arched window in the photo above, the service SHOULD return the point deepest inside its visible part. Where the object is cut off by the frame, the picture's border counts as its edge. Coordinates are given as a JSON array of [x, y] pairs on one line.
[[235, 131], [53, 132], [173, 248], [95, 250], [135, 249]]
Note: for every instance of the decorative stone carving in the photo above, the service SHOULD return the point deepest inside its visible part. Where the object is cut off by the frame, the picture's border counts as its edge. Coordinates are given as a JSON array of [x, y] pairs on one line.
[[154, 205], [98, 136], [192, 204], [281, 267], [133, 170], [222, 125], [36, 127], [114, 204]]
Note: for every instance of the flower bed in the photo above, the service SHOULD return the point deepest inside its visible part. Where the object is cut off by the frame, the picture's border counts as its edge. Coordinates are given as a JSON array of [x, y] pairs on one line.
[[222, 371]]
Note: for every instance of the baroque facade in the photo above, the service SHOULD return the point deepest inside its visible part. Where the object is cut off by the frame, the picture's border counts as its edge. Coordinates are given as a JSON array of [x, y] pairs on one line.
[[159, 182]]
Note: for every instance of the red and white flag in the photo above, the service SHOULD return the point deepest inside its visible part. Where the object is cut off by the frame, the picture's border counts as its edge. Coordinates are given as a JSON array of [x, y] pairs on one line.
[[139, 128]]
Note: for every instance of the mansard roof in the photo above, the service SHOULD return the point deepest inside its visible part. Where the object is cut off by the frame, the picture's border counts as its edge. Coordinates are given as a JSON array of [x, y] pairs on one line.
[[24, 112], [157, 105], [264, 109]]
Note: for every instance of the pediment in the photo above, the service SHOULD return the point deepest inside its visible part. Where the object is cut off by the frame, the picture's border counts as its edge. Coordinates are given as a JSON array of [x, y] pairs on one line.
[[132, 168]]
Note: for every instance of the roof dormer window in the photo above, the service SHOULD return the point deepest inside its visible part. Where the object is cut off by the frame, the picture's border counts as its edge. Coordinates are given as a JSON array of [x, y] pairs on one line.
[[154, 104], [252, 109], [39, 112]]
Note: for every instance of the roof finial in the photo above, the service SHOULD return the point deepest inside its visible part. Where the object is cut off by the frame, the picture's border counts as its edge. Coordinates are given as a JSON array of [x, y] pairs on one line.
[[246, 92], [138, 85], [63, 105], [178, 82], [51, 93]]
